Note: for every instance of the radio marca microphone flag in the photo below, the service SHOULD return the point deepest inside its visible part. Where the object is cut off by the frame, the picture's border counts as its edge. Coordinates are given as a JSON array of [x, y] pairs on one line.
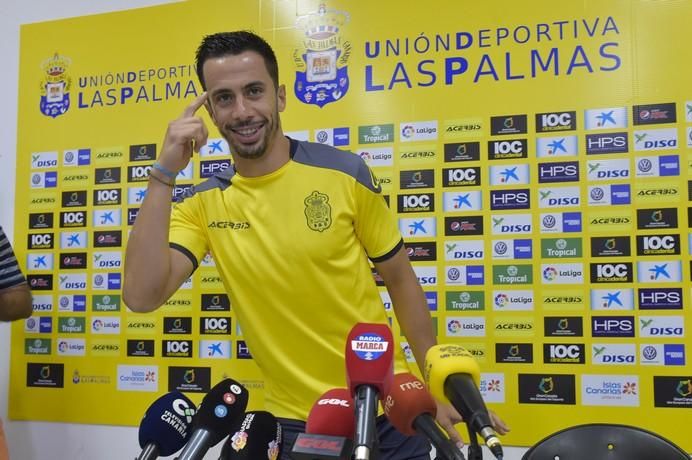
[[453, 373], [257, 436], [165, 427], [219, 411], [369, 372], [411, 410], [329, 428]]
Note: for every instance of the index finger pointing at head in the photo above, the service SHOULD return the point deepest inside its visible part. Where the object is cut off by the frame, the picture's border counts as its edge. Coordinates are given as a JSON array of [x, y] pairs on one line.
[[195, 105]]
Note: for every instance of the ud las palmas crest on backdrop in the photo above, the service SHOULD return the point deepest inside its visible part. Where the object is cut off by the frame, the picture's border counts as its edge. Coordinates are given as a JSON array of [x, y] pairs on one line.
[[322, 75], [55, 87]]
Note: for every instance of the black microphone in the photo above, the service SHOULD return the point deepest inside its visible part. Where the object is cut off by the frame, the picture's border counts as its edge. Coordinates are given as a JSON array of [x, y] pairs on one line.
[[369, 372], [165, 427], [256, 437], [453, 373], [411, 409], [219, 411]]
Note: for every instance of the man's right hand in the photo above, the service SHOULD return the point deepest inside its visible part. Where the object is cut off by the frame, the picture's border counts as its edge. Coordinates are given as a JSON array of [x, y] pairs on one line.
[[183, 135]]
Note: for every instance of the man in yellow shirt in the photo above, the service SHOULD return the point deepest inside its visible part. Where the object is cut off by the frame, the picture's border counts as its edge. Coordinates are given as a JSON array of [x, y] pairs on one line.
[[291, 226]]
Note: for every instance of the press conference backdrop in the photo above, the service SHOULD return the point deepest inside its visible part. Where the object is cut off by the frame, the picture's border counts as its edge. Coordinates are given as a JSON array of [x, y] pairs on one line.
[[536, 158]]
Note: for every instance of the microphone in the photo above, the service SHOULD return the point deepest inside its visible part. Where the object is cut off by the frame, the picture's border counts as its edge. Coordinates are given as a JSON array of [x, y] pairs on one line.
[[453, 373], [165, 427], [220, 409], [328, 429], [369, 373], [256, 437], [411, 409]]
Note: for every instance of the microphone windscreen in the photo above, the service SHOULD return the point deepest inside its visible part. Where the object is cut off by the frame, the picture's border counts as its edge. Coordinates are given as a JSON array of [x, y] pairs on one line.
[[441, 361], [407, 399], [257, 436], [220, 409], [166, 423], [370, 357], [332, 414]]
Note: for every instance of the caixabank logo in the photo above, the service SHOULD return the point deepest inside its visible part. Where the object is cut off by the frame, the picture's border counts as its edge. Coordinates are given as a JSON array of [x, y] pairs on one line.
[[322, 75]]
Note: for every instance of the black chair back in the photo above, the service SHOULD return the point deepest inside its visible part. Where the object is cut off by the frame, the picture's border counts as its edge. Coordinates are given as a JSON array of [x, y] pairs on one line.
[[603, 441]]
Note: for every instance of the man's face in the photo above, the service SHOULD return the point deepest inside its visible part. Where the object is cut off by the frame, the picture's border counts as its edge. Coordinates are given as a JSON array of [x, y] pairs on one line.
[[243, 102]]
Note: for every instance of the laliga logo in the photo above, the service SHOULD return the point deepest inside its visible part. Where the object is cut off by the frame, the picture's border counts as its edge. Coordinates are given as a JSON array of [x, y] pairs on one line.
[[55, 86], [322, 75]]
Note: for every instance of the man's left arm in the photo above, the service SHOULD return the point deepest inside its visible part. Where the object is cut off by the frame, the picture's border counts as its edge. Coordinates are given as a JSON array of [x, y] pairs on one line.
[[15, 302]]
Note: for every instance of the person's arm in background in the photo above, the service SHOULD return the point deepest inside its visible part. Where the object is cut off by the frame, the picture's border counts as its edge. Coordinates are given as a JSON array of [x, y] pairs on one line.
[[413, 315], [154, 271], [15, 296]]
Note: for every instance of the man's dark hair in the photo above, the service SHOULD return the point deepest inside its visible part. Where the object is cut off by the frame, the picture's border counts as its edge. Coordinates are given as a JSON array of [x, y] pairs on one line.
[[233, 43]]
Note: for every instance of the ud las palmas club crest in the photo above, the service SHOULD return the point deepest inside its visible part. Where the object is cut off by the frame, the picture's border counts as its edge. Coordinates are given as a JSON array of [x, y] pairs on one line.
[[322, 75], [318, 211], [55, 86]]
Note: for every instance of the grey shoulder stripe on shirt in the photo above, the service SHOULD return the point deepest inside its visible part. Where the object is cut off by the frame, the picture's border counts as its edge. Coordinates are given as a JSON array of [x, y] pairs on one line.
[[325, 156]]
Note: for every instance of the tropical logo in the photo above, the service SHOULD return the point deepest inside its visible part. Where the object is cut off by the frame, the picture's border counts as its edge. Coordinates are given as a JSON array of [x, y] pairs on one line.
[[322, 75], [55, 86]]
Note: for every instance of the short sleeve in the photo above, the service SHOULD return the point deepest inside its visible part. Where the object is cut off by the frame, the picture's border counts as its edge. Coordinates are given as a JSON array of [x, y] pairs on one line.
[[187, 233]]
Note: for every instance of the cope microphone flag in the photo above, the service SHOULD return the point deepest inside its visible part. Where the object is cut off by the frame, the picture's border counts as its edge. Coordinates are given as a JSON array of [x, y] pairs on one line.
[[411, 409], [369, 373], [219, 411], [453, 373], [329, 428], [165, 427], [257, 436]]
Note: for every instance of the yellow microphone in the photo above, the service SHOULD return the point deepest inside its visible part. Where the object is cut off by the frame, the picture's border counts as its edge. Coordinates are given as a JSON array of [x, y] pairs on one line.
[[453, 374]]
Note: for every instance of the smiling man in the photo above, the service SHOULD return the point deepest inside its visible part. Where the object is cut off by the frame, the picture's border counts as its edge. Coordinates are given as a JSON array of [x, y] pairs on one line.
[[292, 227]]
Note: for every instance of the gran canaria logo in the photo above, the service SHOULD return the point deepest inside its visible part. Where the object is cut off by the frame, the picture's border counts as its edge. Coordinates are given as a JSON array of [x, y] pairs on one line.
[[55, 86], [322, 75], [318, 211]]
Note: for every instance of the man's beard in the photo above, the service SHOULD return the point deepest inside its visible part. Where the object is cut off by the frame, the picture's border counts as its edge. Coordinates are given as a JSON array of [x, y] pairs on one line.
[[256, 150]]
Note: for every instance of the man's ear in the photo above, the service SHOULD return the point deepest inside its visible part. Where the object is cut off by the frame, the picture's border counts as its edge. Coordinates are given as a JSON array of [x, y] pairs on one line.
[[281, 97]]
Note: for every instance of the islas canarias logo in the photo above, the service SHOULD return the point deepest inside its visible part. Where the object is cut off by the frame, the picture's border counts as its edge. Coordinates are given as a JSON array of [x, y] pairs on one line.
[[55, 86], [322, 74]]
